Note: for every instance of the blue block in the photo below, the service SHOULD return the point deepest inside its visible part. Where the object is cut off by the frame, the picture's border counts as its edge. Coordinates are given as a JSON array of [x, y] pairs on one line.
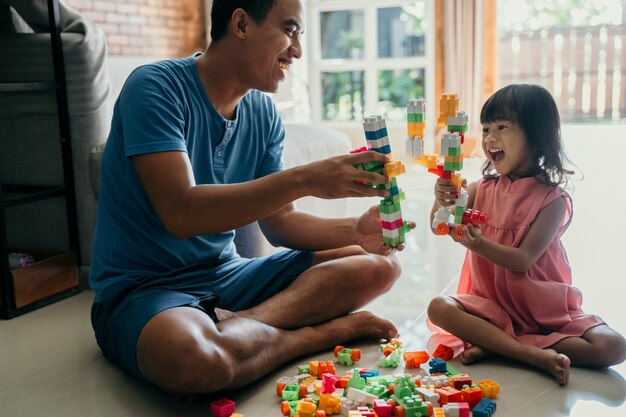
[[485, 408], [369, 374], [385, 149], [438, 365]]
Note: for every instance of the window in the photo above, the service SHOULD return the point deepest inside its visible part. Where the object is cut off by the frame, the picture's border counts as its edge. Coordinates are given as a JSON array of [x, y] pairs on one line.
[[575, 49], [369, 57]]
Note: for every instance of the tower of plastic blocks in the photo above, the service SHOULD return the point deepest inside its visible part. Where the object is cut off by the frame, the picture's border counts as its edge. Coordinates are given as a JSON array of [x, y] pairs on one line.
[[448, 163], [393, 226]]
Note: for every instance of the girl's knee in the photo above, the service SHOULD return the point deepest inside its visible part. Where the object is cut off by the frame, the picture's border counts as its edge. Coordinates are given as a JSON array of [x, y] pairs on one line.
[[614, 349], [439, 307], [610, 347]]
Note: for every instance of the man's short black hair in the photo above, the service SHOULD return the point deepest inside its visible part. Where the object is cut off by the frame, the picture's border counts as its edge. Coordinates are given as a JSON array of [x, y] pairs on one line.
[[222, 11]]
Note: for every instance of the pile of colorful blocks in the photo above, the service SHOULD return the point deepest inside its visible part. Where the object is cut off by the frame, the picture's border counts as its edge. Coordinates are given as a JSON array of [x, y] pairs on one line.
[[318, 391]]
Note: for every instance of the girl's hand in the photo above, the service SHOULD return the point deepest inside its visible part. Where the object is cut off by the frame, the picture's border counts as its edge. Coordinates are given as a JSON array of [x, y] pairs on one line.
[[369, 235], [472, 237], [445, 192]]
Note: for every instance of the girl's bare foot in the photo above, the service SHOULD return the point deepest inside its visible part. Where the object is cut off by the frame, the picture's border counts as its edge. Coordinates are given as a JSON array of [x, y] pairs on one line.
[[473, 354], [554, 363]]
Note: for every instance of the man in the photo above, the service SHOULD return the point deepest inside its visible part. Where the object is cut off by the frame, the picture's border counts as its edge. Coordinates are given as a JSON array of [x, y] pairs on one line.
[[195, 152]]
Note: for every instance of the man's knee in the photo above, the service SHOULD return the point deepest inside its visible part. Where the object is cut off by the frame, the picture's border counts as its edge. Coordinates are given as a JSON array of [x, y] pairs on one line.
[[184, 358], [202, 367], [383, 271]]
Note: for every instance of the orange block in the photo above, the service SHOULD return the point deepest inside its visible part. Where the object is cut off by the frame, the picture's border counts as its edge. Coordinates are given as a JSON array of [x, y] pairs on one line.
[[415, 359], [443, 351]]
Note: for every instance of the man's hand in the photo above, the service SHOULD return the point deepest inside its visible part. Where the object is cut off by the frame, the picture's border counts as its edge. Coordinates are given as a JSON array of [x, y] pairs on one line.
[[369, 234], [339, 177]]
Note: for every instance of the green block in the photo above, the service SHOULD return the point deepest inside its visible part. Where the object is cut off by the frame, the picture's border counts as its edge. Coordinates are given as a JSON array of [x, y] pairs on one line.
[[384, 380], [388, 206], [393, 242], [391, 184], [415, 117], [454, 151], [451, 371], [392, 360], [453, 166], [456, 128], [372, 166]]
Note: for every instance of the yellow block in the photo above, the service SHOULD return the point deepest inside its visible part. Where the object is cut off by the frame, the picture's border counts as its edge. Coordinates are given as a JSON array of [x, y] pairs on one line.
[[394, 168], [428, 161], [453, 158], [457, 179]]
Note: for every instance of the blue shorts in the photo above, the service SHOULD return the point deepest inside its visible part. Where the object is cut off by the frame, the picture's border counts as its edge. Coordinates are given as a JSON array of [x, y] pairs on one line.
[[236, 284]]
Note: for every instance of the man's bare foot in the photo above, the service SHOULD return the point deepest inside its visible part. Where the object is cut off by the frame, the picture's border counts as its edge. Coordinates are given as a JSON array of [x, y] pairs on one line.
[[359, 324], [473, 354], [224, 314]]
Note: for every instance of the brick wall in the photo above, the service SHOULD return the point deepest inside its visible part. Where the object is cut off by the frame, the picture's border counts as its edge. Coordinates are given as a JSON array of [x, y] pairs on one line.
[[157, 28]]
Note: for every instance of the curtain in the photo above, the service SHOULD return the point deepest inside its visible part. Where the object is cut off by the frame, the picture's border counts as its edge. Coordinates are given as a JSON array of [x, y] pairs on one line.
[[468, 59]]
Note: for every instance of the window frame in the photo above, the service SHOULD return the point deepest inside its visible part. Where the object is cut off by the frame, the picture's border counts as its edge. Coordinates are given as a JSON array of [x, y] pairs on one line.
[[370, 64]]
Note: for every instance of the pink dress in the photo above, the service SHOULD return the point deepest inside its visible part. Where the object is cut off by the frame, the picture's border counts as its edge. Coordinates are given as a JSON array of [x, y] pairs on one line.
[[538, 307]]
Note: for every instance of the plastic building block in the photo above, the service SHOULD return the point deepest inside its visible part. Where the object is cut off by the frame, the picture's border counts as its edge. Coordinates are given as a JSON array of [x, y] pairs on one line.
[[456, 410], [356, 381], [376, 137], [449, 395], [392, 360], [415, 359], [330, 404], [394, 344], [474, 394], [293, 392], [320, 367], [438, 412], [444, 352], [328, 383], [361, 396], [283, 382], [347, 356], [461, 381], [437, 365], [448, 163], [489, 388], [306, 408], [485, 408], [223, 408], [368, 373], [382, 408]]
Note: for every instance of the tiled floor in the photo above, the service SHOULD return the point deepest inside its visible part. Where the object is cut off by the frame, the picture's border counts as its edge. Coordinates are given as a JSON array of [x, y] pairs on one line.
[[50, 365]]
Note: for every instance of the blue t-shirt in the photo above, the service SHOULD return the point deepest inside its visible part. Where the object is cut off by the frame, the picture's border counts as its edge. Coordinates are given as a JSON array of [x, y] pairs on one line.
[[163, 107]]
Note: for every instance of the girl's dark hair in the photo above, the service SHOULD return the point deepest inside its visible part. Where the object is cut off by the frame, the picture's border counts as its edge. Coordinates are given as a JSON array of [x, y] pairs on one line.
[[532, 107], [222, 11]]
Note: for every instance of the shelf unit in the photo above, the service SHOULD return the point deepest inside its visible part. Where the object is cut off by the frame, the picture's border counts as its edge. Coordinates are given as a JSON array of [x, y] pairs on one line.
[[55, 274]]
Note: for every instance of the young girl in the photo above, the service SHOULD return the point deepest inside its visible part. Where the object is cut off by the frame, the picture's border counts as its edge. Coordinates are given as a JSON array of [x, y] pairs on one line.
[[515, 297]]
